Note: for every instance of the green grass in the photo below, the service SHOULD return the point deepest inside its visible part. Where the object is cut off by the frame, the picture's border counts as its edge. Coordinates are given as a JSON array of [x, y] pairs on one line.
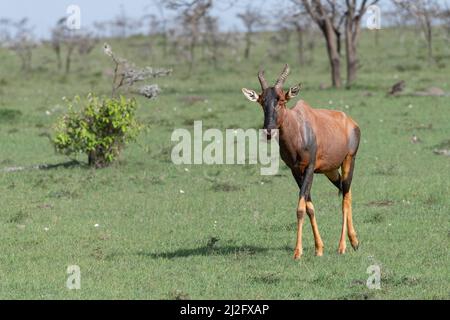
[[231, 234]]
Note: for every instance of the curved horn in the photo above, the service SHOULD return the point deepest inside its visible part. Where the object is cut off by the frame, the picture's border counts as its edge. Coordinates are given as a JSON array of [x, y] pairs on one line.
[[283, 76], [262, 80]]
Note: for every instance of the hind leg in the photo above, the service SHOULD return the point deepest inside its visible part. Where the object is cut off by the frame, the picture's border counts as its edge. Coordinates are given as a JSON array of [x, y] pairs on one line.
[[335, 177], [312, 218], [347, 219]]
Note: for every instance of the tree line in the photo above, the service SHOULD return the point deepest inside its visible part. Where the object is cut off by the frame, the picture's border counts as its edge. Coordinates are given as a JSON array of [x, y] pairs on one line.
[[189, 31]]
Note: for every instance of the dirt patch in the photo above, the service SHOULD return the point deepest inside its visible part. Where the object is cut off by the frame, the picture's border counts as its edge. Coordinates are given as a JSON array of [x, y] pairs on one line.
[[380, 203], [267, 278], [225, 187], [190, 100]]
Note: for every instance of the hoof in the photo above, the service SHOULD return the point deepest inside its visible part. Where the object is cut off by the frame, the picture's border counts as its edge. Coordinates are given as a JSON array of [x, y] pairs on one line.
[[297, 254], [341, 250], [319, 252], [355, 246]]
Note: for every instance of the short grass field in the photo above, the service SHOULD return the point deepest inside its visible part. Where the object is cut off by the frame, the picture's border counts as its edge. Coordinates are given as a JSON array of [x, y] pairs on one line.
[[224, 231]]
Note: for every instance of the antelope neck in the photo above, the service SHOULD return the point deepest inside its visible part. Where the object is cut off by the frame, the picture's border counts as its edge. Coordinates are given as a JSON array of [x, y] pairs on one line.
[[289, 126]]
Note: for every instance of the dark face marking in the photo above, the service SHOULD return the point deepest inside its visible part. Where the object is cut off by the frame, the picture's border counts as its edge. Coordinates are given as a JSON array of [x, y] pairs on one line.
[[269, 103]]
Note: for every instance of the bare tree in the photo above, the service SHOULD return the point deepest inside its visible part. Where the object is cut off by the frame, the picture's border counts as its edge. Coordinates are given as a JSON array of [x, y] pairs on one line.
[[298, 21], [355, 10], [122, 25], [192, 13], [22, 43], [213, 39], [424, 13], [251, 18], [153, 23], [72, 40], [126, 75], [329, 17], [57, 35], [18, 37]]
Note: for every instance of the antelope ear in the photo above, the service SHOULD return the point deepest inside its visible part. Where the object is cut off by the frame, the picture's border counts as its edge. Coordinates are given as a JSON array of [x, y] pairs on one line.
[[293, 91], [250, 94]]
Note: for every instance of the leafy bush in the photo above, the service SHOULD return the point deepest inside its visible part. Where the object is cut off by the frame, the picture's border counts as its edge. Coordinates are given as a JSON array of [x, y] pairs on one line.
[[98, 127]]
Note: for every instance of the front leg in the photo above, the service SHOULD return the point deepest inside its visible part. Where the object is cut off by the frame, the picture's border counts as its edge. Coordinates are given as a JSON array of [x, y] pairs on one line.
[[304, 182]]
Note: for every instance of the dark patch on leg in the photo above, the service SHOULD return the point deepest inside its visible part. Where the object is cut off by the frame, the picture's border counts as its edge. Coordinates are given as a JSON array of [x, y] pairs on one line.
[[354, 139], [349, 176], [335, 179]]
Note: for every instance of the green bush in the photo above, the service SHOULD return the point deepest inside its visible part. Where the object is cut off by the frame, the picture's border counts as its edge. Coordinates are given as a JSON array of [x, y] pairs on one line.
[[98, 127]]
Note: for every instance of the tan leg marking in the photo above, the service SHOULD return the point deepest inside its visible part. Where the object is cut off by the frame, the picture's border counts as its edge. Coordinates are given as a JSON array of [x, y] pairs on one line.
[[347, 221], [351, 230], [342, 244], [345, 171], [317, 239], [301, 210]]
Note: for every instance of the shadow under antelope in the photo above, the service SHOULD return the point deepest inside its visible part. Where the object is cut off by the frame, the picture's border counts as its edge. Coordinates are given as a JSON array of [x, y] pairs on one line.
[[311, 141]]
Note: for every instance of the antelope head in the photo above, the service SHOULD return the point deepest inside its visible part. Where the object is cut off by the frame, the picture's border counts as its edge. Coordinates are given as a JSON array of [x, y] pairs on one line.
[[272, 99]]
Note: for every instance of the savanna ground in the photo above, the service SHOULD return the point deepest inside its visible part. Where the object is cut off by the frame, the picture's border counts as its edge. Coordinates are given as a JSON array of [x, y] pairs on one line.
[[232, 232]]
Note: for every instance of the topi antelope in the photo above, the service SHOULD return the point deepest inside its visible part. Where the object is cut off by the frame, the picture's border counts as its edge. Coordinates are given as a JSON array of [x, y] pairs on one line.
[[311, 141]]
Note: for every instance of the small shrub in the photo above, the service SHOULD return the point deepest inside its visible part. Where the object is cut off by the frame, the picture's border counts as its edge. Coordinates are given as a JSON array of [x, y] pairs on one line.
[[98, 127]]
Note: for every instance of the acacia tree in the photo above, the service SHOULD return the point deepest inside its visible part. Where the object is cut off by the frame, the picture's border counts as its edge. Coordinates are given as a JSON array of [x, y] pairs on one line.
[[298, 20], [72, 40], [331, 16], [18, 37], [122, 25], [424, 12], [192, 13], [251, 18], [213, 39]]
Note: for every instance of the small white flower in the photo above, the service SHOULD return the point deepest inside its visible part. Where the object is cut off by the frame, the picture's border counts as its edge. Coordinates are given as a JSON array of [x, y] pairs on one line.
[[181, 191], [96, 225], [186, 169], [381, 120], [262, 182], [330, 102], [48, 112], [346, 106], [410, 106], [46, 229], [209, 110]]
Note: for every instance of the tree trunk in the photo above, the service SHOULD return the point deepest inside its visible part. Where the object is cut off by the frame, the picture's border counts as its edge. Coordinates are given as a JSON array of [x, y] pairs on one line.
[[96, 159], [58, 57], [333, 54], [352, 63], [69, 58], [248, 44], [351, 38], [300, 46], [429, 36]]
